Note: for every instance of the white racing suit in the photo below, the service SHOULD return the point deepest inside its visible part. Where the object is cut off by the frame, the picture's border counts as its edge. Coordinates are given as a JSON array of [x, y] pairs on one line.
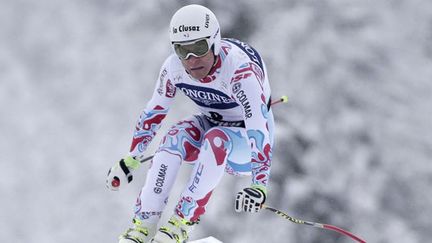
[[233, 132]]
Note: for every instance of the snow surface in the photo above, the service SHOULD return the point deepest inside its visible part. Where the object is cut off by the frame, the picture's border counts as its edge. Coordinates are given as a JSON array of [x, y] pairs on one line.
[[353, 145], [207, 240]]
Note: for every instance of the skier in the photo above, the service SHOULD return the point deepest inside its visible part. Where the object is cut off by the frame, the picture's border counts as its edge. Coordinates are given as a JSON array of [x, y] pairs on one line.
[[233, 131]]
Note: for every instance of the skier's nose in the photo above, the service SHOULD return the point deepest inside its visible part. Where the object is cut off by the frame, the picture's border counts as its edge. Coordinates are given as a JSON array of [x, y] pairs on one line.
[[192, 60]]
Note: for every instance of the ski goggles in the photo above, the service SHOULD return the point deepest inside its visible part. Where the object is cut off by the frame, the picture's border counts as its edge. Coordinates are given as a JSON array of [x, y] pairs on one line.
[[196, 48]]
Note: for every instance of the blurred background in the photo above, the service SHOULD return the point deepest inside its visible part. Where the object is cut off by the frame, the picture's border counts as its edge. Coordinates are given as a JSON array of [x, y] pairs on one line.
[[353, 145]]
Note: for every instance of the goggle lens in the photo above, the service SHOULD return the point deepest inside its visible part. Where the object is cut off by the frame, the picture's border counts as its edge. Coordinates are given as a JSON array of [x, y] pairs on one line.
[[198, 49]]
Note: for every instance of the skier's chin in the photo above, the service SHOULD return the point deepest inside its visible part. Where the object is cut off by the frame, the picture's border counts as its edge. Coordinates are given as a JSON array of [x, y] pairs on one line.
[[198, 73]]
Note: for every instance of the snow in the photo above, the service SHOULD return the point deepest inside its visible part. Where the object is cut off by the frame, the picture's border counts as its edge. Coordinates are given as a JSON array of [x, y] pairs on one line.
[[207, 240]]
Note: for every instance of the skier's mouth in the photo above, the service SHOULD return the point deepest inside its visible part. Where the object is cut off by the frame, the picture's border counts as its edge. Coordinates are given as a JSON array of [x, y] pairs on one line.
[[196, 68]]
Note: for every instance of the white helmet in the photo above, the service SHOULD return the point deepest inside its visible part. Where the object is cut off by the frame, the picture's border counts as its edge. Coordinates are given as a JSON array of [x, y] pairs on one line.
[[193, 22]]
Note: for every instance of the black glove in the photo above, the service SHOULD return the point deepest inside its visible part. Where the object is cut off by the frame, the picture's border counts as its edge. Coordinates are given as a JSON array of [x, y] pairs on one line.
[[250, 199]]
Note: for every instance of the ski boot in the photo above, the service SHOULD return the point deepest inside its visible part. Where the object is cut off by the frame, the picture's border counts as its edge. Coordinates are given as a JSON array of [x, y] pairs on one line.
[[139, 233], [175, 231]]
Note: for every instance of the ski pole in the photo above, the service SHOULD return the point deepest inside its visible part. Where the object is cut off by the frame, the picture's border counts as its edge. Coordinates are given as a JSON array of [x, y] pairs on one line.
[[282, 99], [313, 224], [145, 159]]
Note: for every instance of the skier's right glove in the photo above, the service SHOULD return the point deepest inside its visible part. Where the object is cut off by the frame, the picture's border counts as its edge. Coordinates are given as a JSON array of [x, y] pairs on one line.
[[121, 173]]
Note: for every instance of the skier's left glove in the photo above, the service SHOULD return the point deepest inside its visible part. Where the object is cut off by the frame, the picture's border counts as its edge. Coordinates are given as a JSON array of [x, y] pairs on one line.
[[250, 199], [121, 173]]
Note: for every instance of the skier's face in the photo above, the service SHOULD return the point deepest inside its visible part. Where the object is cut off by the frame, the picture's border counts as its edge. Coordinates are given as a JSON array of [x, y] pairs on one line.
[[199, 67]]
